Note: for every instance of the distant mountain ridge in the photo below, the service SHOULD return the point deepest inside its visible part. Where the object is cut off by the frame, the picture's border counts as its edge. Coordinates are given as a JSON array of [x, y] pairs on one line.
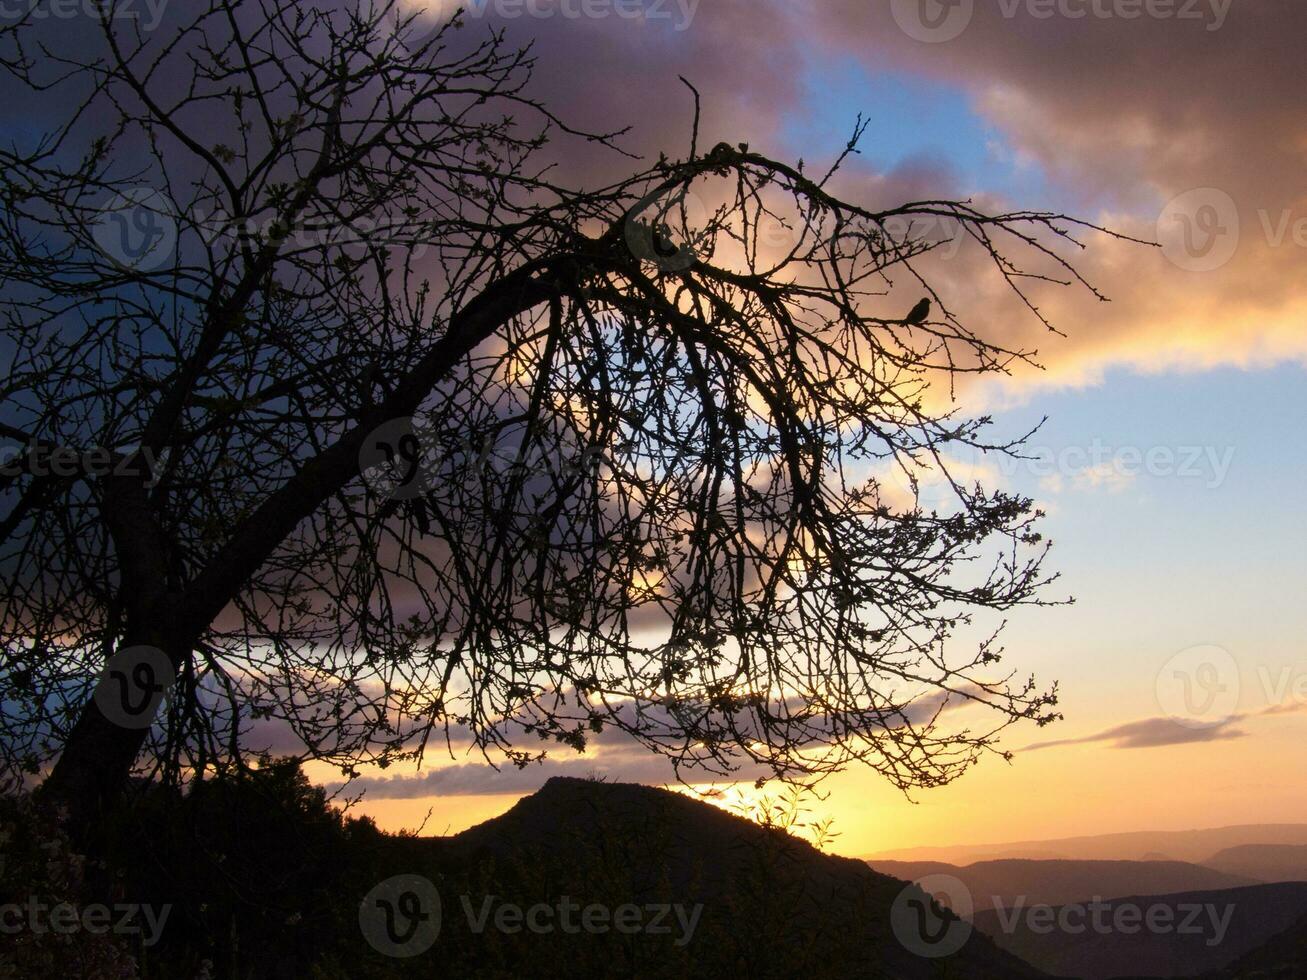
[[1200, 933], [1266, 862], [1194, 846], [1000, 883]]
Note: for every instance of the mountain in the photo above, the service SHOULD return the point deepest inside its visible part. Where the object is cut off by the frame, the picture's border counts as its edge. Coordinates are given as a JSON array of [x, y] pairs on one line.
[[1282, 957], [1181, 935], [1266, 862], [772, 905], [1000, 883], [259, 877], [1180, 845]]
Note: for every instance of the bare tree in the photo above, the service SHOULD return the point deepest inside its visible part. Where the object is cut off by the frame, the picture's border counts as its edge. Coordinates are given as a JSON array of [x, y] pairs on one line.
[[381, 432]]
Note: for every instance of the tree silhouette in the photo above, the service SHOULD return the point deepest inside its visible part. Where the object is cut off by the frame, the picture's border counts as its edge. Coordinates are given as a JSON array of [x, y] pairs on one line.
[[331, 407]]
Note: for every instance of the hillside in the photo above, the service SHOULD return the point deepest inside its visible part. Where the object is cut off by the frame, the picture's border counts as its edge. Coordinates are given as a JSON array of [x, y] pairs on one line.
[[258, 877], [1190, 933], [797, 910], [1282, 957], [1266, 862], [1000, 883]]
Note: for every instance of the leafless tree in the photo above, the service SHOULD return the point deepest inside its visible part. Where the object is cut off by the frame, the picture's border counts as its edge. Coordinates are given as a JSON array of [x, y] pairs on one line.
[[381, 432]]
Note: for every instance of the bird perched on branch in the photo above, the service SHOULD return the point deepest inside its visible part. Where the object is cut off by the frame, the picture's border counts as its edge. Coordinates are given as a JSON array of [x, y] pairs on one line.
[[918, 314]]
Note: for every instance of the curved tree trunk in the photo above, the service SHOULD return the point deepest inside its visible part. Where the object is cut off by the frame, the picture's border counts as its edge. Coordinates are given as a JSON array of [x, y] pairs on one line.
[[98, 756], [94, 767]]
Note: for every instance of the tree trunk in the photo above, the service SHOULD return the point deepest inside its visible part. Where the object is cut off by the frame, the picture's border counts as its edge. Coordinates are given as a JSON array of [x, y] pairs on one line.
[[97, 758], [93, 768]]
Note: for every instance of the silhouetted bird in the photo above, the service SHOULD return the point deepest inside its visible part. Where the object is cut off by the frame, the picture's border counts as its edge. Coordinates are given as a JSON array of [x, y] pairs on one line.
[[919, 313]]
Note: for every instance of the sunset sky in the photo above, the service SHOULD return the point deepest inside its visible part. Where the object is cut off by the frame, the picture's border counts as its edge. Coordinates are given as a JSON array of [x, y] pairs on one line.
[[1173, 460]]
